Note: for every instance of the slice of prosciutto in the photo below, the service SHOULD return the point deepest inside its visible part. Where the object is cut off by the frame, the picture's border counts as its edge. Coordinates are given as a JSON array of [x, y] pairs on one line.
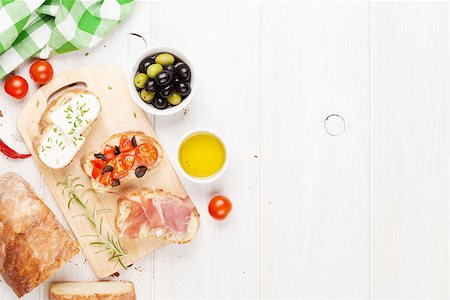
[[155, 213]]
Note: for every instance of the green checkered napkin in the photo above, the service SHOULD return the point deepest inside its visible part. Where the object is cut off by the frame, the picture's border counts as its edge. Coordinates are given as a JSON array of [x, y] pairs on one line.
[[45, 28]]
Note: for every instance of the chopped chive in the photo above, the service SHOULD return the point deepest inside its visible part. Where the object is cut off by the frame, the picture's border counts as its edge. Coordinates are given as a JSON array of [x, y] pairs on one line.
[[134, 114]]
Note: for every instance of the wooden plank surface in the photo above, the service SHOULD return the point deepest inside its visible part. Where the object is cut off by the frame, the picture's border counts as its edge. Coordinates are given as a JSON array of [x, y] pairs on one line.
[[316, 187], [410, 126], [363, 215]]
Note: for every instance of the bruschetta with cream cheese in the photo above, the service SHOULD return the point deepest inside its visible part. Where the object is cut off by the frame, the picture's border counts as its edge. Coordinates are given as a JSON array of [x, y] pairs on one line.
[[154, 213], [123, 157], [64, 126]]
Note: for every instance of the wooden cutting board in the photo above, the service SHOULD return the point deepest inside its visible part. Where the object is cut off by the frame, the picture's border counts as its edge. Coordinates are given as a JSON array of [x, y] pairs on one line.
[[119, 113]]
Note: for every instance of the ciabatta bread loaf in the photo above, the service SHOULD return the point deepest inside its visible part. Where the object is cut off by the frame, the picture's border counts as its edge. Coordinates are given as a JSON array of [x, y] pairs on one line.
[[33, 244]]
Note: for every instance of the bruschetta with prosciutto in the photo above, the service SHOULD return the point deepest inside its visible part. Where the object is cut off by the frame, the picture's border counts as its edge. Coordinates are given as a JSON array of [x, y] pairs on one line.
[[154, 213], [123, 157]]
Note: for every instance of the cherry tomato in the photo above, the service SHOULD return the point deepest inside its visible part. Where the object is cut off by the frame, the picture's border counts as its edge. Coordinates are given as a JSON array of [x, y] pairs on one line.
[[96, 172], [41, 72], [120, 171], [125, 144], [219, 207], [16, 86], [98, 163], [146, 154], [127, 161], [109, 152], [106, 178]]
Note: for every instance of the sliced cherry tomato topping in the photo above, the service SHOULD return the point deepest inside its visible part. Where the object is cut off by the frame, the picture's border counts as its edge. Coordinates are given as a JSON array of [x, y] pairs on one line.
[[127, 161], [125, 144], [98, 163], [106, 178], [146, 154], [120, 171], [96, 172], [109, 152]]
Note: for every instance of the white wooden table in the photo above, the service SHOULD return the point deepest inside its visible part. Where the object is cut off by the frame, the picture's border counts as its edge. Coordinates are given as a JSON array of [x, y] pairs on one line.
[[361, 215]]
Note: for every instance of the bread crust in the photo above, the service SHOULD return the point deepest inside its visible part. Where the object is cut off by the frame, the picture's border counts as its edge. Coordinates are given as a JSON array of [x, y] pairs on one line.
[[114, 141], [45, 123], [53, 294], [123, 212], [33, 244]]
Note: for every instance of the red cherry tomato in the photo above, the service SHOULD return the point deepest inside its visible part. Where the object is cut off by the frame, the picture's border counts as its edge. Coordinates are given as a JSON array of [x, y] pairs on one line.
[[109, 152], [120, 171], [98, 163], [41, 72], [16, 86], [96, 172], [146, 154], [106, 178], [125, 144], [219, 207], [127, 161]]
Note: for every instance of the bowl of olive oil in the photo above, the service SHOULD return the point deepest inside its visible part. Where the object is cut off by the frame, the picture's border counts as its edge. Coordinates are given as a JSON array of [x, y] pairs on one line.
[[202, 156]]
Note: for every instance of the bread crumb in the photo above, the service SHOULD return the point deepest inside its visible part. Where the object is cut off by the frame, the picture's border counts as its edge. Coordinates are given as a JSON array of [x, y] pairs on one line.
[[115, 275], [1, 114]]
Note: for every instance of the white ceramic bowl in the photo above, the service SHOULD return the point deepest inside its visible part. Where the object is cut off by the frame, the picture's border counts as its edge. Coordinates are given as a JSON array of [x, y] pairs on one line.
[[205, 179], [148, 107]]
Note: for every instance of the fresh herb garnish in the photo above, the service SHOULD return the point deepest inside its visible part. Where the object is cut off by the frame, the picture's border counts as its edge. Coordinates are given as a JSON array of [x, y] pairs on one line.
[[71, 186], [108, 242]]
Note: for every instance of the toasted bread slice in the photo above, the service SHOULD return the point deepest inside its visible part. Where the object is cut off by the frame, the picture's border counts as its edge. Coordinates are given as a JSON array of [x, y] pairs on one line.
[[163, 232], [96, 290], [114, 140], [64, 126]]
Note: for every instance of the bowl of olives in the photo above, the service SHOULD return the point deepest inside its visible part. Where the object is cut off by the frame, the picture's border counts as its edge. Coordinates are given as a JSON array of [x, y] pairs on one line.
[[161, 81]]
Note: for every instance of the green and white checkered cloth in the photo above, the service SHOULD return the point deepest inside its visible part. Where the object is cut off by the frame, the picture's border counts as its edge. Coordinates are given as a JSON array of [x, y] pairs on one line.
[[45, 28]]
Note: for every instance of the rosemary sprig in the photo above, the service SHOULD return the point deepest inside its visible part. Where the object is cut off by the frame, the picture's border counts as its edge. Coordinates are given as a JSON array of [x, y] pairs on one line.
[[71, 185], [108, 243]]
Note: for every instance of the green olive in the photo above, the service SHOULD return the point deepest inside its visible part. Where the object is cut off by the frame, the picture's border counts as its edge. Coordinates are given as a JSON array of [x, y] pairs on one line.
[[140, 80], [174, 99], [154, 70], [147, 96], [165, 59]]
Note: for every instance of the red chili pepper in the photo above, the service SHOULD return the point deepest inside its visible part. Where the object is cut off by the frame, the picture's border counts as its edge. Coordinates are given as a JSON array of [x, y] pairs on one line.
[[10, 152]]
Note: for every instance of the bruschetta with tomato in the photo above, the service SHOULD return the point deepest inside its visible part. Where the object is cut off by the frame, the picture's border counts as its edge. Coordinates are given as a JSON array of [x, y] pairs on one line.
[[123, 157]]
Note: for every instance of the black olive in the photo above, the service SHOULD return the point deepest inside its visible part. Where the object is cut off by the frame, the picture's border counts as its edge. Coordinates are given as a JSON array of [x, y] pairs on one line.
[[133, 141], [140, 171], [159, 102], [100, 156], [107, 168], [116, 150], [183, 88], [166, 91], [170, 68], [145, 63], [163, 78], [115, 182], [182, 71], [150, 85]]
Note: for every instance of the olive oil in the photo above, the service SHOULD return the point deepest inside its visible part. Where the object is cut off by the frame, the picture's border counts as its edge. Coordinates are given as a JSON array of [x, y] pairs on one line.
[[202, 155]]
